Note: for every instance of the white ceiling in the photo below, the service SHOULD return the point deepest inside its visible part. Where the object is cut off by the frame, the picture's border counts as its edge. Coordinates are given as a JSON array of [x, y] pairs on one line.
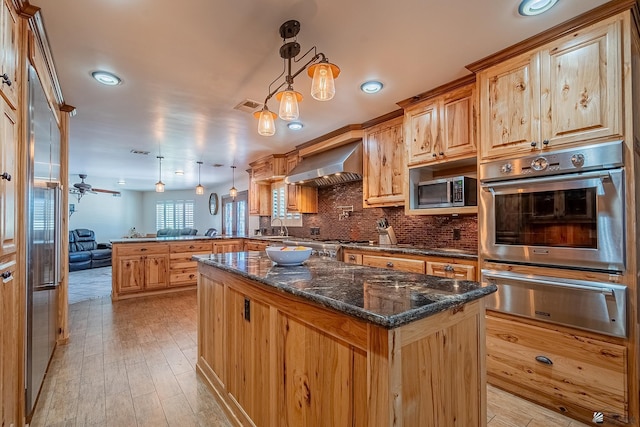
[[186, 64]]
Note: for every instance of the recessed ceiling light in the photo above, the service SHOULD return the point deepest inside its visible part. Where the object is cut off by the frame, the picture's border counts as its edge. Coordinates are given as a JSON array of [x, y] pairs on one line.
[[372, 86], [121, 182], [106, 78], [295, 125], [179, 172], [535, 7]]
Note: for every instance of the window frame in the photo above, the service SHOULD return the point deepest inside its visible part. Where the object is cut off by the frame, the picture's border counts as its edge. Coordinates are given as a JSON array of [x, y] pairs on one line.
[[242, 196], [185, 221]]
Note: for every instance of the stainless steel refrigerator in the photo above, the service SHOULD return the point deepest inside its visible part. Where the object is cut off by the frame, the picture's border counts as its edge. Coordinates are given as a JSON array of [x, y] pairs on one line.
[[43, 238]]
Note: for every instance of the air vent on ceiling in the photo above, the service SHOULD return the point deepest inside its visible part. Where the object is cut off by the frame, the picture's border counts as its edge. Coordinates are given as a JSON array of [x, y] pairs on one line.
[[248, 106], [143, 152]]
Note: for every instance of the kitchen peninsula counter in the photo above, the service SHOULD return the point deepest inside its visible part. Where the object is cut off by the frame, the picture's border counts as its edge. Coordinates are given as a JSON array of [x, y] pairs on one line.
[[330, 343]]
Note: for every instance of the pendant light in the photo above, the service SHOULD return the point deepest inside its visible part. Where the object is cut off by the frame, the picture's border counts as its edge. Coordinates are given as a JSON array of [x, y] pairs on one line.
[[160, 184], [289, 104], [266, 124], [199, 188], [233, 192]]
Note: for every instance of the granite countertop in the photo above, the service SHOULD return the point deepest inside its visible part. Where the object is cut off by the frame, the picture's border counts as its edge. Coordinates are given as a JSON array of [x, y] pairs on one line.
[[383, 297], [172, 239]]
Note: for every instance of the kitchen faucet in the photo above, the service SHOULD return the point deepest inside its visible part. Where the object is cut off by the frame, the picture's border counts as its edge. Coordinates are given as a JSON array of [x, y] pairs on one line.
[[282, 232]]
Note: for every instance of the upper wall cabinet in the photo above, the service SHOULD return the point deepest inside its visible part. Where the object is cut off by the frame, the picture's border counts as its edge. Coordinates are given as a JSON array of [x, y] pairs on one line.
[[384, 165], [299, 199], [442, 128], [9, 79], [8, 194], [566, 92], [259, 197], [268, 169]]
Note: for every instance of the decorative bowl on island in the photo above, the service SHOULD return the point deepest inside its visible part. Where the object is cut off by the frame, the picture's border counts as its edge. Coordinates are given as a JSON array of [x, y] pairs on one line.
[[288, 255]]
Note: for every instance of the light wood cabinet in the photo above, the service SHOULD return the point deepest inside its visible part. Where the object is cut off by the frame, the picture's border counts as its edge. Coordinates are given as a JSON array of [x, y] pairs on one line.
[[259, 197], [566, 92], [222, 246], [571, 372], [290, 198], [268, 169], [255, 245], [394, 263], [451, 270], [182, 269], [277, 360], [9, 341], [142, 273], [9, 31], [384, 165], [442, 128], [8, 153]]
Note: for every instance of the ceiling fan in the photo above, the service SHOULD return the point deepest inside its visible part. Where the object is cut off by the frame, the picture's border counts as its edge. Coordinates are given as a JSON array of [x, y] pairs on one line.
[[81, 188]]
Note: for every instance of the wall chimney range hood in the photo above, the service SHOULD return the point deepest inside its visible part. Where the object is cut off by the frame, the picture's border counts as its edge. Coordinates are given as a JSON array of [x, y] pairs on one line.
[[335, 166]]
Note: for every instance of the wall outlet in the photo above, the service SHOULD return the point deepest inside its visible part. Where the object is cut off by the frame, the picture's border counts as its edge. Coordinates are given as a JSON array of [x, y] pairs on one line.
[[315, 231], [456, 234]]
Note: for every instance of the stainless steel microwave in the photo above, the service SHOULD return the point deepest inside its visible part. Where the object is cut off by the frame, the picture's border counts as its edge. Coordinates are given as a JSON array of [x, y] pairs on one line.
[[447, 192]]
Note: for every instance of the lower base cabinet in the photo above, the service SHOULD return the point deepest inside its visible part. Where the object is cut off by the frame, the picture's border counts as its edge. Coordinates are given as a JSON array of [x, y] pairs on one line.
[[578, 375], [275, 360], [9, 342]]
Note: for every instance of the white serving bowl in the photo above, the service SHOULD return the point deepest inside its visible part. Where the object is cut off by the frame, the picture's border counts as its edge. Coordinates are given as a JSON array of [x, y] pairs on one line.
[[288, 255]]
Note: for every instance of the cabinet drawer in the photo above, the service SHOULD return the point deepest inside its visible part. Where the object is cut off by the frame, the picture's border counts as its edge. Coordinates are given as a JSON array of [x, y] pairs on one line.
[[451, 270], [152, 248], [392, 263], [182, 260], [353, 258], [579, 370], [183, 277], [197, 247]]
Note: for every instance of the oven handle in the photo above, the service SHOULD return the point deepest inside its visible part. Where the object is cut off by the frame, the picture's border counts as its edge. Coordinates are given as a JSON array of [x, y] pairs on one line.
[[603, 176], [539, 281]]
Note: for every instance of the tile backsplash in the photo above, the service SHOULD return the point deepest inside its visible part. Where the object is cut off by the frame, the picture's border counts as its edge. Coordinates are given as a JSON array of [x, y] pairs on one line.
[[426, 230]]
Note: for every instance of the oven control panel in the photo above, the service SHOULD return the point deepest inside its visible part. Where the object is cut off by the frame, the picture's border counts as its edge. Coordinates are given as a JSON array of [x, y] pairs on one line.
[[592, 157]]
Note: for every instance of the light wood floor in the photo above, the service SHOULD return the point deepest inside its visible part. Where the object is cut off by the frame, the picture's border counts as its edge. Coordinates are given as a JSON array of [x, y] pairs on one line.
[[132, 363]]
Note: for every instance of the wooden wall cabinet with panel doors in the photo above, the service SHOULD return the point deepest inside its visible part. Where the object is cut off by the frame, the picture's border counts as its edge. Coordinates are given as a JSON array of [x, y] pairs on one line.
[[442, 127], [300, 199], [306, 200], [384, 165], [9, 339], [568, 91], [259, 197], [9, 53], [274, 359], [451, 268], [269, 168]]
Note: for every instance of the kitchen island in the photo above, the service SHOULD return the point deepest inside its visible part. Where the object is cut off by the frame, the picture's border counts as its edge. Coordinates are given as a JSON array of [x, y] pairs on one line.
[[335, 344]]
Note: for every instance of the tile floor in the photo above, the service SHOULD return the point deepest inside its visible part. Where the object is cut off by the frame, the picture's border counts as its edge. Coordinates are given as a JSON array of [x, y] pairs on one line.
[[131, 363], [89, 284]]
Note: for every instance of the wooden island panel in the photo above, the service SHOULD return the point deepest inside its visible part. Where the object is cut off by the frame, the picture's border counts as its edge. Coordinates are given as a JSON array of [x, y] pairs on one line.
[[295, 363]]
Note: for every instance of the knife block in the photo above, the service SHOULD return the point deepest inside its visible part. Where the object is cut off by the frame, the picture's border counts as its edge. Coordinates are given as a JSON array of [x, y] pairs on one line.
[[387, 236]]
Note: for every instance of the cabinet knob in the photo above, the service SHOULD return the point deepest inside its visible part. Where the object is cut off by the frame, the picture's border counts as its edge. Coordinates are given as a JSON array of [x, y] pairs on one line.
[[435, 155], [5, 176], [352, 257], [533, 143], [441, 153], [544, 359], [6, 275], [5, 79], [390, 264], [448, 268], [545, 142]]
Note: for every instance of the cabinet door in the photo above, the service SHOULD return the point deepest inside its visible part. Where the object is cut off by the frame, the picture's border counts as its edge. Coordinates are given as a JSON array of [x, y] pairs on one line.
[[228, 246], [317, 373], [394, 263], [459, 123], [211, 345], [9, 52], [510, 106], [249, 371], [423, 132], [558, 368], [581, 79], [130, 274], [451, 271], [301, 199], [384, 165], [9, 343], [259, 198], [8, 132], [156, 274]]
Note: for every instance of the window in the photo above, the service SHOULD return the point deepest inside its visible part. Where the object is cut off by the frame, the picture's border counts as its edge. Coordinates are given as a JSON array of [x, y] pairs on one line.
[[279, 208], [235, 214], [174, 214]]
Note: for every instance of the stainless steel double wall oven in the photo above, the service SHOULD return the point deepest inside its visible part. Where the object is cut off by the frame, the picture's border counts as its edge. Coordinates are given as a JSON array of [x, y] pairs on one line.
[[561, 209]]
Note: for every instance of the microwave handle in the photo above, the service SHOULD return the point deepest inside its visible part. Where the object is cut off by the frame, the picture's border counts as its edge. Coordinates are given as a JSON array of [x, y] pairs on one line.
[[450, 191], [603, 176]]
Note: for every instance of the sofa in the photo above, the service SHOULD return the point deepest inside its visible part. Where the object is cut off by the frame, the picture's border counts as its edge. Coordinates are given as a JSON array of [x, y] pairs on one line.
[[85, 252], [171, 232]]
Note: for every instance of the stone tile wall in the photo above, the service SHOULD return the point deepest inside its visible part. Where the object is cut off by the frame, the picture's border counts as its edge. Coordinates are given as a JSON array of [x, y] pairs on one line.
[[427, 230]]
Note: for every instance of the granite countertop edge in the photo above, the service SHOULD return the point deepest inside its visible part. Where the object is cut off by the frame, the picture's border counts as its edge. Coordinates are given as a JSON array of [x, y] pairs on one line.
[[172, 239], [388, 322]]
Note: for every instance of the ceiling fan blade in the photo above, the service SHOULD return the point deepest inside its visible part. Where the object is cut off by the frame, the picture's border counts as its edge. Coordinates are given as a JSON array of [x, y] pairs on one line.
[[100, 190]]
